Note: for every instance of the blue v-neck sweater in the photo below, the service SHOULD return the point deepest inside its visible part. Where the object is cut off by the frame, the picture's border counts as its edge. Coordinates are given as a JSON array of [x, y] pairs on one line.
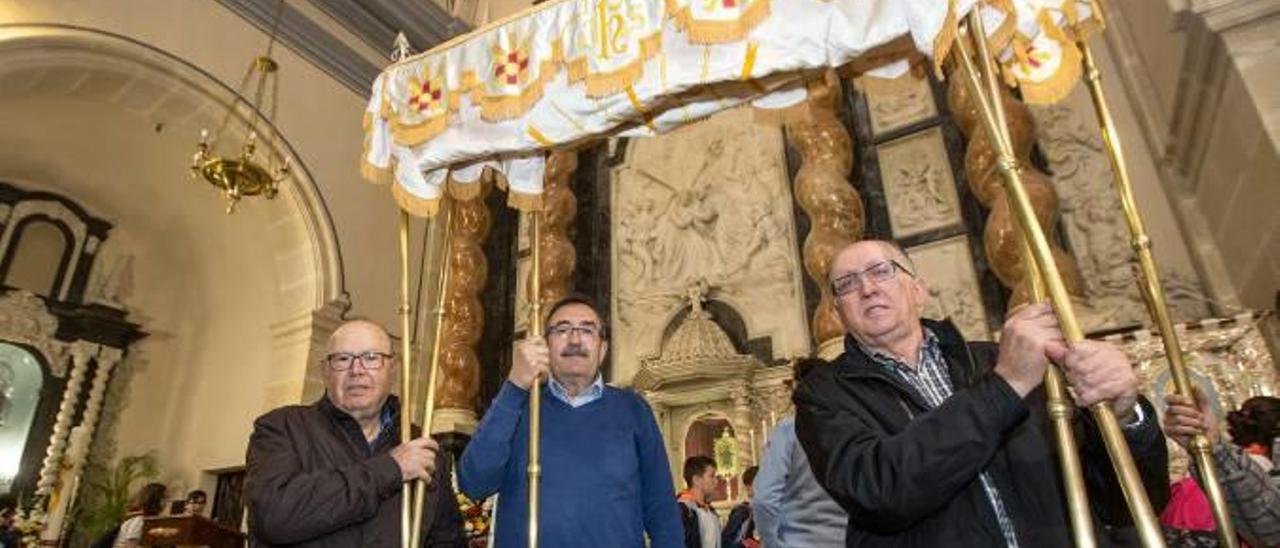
[[605, 478]]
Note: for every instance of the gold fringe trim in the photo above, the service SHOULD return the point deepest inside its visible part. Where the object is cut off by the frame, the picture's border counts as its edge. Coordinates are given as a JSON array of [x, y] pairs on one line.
[[375, 174], [465, 191], [413, 205], [524, 202], [497, 108], [718, 32], [946, 37], [421, 132], [608, 83]]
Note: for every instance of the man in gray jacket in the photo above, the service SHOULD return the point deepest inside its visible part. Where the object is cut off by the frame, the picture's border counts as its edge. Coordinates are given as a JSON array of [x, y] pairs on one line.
[[790, 508]]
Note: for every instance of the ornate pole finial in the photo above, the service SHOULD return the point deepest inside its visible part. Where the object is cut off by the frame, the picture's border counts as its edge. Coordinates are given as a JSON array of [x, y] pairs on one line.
[[400, 49]]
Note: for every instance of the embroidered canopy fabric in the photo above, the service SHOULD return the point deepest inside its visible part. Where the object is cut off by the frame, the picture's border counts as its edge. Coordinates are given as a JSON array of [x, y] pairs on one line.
[[573, 70]]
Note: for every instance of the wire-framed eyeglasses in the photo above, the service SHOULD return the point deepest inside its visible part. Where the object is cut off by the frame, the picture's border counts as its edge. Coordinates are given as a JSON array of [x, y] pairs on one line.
[[878, 273]]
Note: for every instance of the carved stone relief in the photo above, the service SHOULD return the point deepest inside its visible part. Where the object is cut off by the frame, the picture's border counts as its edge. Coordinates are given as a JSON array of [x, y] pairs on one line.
[[25, 319], [709, 202], [947, 268], [1096, 226], [899, 105], [918, 183]]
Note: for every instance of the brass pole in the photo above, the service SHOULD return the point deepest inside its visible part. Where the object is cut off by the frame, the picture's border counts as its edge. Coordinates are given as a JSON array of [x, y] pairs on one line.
[[1153, 294], [535, 389], [1058, 402], [1126, 471], [429, 406], [406, 365]]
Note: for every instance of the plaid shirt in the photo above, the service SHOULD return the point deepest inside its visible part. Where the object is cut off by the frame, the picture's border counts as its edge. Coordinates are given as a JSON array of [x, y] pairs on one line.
[[931, 379]]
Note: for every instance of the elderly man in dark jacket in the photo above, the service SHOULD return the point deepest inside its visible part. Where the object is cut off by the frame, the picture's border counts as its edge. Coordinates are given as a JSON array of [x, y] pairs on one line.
[[329, 474], [927, 440]]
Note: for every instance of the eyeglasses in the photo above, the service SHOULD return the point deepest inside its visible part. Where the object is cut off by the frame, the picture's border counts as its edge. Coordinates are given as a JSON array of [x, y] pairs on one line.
[[877, 273], [565, 331], [342, 361]]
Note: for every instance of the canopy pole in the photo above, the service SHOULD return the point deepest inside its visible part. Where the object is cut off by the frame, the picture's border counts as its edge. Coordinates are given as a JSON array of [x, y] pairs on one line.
[[535, 389], [429, 406], [1153, 295], [1019, 202], [406, 363]]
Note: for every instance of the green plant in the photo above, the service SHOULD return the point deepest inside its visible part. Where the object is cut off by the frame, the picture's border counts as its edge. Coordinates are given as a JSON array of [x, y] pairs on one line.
[[105, 498]]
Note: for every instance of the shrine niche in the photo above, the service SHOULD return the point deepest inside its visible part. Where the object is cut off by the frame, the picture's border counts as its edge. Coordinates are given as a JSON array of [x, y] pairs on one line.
[[708, 202], [702, 372]]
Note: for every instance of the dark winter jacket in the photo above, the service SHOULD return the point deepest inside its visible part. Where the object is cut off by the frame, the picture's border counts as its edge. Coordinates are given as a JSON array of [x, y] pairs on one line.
[[908, 474], [313, 480]]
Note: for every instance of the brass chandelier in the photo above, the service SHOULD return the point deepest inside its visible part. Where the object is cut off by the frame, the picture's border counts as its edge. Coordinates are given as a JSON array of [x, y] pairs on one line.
[[243, 175]]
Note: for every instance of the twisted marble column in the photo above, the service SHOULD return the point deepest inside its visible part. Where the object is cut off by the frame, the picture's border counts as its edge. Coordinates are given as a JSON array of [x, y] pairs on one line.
[[60, 497], [81, 353], [560, 210], [1001, 236], [833, 206], [459, 380]]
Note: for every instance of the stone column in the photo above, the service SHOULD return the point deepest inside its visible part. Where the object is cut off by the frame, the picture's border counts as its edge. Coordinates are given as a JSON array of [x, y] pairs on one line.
[[1001, 236], [81, 353], [297, 346], [742, 425], [464, 315], [834, 208]]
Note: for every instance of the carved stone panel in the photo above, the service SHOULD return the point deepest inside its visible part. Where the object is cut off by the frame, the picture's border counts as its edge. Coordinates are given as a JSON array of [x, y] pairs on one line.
[[709, 202], [918, 184], [946, 266], [899, 104], [1095, 224]]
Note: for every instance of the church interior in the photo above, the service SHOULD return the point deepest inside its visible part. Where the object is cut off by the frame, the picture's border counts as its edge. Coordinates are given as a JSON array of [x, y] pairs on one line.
[[148, 316]]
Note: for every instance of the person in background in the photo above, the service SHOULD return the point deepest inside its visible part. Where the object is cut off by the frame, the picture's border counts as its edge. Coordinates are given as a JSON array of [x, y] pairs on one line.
[[148, 502], [701, 524], [1246, 470], [790, 508], [196, 501], [740, 528]]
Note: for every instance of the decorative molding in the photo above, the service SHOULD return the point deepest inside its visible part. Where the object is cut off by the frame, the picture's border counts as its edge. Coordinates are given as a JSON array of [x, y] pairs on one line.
[[58, 211], [696, 349], [26, 319]]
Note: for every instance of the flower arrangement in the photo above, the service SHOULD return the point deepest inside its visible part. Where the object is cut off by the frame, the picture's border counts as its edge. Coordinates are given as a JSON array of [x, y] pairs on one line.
[[29, 521], [476, 519]]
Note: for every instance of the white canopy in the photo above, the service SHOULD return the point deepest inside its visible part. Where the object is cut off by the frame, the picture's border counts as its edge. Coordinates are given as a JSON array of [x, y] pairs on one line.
[[574, 70]]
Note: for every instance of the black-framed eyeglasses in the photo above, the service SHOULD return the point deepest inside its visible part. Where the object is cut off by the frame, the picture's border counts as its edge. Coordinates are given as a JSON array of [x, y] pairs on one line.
[[342, 361], [878, 273], [565, 331]]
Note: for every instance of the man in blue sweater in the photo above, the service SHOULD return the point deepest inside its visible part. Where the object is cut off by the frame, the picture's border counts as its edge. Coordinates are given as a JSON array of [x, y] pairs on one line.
[[605, 478]]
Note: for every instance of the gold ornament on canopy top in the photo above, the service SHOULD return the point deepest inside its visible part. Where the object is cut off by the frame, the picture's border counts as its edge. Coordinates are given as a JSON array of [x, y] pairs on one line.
[[242, 175], [568, 72]]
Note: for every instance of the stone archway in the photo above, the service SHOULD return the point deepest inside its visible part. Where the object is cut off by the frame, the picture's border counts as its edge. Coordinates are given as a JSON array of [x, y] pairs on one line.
[[240, 304]]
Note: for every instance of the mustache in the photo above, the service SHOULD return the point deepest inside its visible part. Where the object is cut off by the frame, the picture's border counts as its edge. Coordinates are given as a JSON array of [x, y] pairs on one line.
[[573, 350]]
